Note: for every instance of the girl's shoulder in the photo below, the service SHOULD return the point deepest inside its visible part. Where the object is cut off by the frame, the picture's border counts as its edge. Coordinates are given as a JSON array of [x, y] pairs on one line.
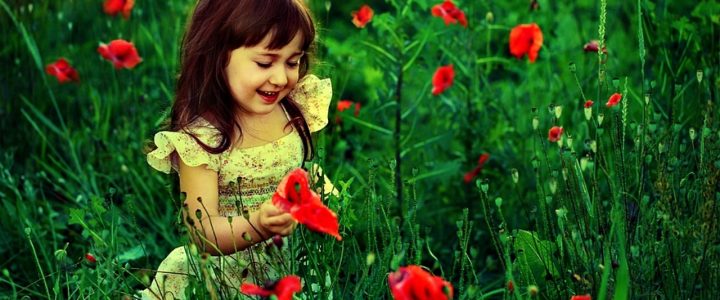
[[183, 144], [313, 96]]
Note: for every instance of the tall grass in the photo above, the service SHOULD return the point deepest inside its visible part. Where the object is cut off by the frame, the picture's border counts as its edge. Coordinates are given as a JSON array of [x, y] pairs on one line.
[[624, 207]]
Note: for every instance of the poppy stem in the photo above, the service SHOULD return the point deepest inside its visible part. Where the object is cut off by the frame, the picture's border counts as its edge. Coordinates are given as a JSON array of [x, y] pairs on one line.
[[398, 146]]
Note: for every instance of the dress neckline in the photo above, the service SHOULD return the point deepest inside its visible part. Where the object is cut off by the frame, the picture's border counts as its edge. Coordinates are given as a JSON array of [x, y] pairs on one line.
[[274, 142]]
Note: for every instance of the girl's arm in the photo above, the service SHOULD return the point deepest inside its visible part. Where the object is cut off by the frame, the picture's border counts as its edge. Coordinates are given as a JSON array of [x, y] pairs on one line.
[[214, 231]]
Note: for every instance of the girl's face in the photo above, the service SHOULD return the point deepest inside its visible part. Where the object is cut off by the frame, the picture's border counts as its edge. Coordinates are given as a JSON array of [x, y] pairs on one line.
[[259, 77]]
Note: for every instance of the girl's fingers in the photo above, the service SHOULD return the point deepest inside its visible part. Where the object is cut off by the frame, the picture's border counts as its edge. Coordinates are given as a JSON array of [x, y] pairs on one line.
[[281, 220]]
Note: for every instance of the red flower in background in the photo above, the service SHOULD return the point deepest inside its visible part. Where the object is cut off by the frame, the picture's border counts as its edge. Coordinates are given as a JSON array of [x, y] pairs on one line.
[[62, 70], [90, 258], [592, 46], [121, 53], [293, 195], [283, 289], [526, 39], [481, 162], [614, 100], [581, 297], [345, 104], [414, 283], [450, 13], [113, 7], [442, 79], [362, 16], [555, 133], [589, 103]]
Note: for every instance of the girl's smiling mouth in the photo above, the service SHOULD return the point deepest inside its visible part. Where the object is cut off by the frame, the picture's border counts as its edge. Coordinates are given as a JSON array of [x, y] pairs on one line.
[[268, 97]]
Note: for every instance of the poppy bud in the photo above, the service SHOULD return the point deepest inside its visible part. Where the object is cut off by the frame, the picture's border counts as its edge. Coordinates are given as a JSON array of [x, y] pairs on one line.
[[278, 241], [553, 185], [533, 290], [699, 76], [247, 237], [370, 259], [60, 254], [90, 258]]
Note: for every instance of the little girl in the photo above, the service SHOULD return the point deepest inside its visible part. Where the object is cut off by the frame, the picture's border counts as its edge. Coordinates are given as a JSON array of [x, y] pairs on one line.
[[242, 118]]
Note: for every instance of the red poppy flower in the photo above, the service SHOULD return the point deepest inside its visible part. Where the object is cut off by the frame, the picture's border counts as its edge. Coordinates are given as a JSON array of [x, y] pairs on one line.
[[581, 297], [450, 13], [414, 283], [121, 53], [293, 195], [481, 162], [555, 133], [283, 289], [526, 39], [113, 7], [345, 104], [592, 46], [442, 79], [362, 16], [62, 70], [589, 103], [90, 258], [614, 100]]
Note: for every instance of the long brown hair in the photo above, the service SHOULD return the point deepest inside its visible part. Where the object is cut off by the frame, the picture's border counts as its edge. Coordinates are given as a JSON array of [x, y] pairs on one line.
[[217, 27]]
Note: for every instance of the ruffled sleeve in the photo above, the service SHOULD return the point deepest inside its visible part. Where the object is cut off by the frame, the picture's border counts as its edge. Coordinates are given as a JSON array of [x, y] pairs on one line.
[[172, 145], [313, 96]]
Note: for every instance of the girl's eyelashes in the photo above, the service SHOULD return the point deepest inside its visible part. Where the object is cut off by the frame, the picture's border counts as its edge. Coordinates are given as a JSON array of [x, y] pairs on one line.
[[268, 65]]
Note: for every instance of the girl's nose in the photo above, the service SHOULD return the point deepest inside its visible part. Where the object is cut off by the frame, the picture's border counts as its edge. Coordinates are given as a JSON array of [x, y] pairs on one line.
[[279, 76]]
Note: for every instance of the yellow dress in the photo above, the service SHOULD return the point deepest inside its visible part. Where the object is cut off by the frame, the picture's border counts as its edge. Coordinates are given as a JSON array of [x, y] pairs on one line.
[[260, 168]]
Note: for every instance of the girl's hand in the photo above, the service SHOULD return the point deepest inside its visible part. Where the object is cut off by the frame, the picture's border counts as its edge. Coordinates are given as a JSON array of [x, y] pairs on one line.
[[274, 221]]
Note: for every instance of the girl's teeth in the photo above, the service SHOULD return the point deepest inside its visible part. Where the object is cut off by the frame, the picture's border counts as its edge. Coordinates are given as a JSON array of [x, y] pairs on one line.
[[268, 93]]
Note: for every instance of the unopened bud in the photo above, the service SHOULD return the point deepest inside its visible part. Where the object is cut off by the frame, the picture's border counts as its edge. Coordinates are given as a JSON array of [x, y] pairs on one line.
[[370, 259], [699, 76], [533, 290], [693, 134], [588, 113], [515, 175]]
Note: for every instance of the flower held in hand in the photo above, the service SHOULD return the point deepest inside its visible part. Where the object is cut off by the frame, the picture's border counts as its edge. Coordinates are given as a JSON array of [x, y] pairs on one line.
[[293, 195]]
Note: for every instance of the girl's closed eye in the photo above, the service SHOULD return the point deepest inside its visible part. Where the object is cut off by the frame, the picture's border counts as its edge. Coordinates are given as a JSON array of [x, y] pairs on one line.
[[291, 64]]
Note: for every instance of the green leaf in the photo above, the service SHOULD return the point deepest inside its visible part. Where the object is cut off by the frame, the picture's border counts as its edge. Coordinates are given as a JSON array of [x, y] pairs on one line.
[[534, 258], [131, 254], [77, 216], [451, 167]]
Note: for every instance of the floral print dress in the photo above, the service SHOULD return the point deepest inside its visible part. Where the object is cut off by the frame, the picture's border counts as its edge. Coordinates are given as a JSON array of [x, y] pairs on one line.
[[259, 168]]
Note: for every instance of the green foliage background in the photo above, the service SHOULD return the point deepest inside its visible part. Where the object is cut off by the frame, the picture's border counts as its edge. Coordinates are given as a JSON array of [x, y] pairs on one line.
[[639, 224]]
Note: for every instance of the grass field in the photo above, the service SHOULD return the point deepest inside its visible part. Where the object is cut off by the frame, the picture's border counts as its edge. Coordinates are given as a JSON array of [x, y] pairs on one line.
[[468, 175]]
